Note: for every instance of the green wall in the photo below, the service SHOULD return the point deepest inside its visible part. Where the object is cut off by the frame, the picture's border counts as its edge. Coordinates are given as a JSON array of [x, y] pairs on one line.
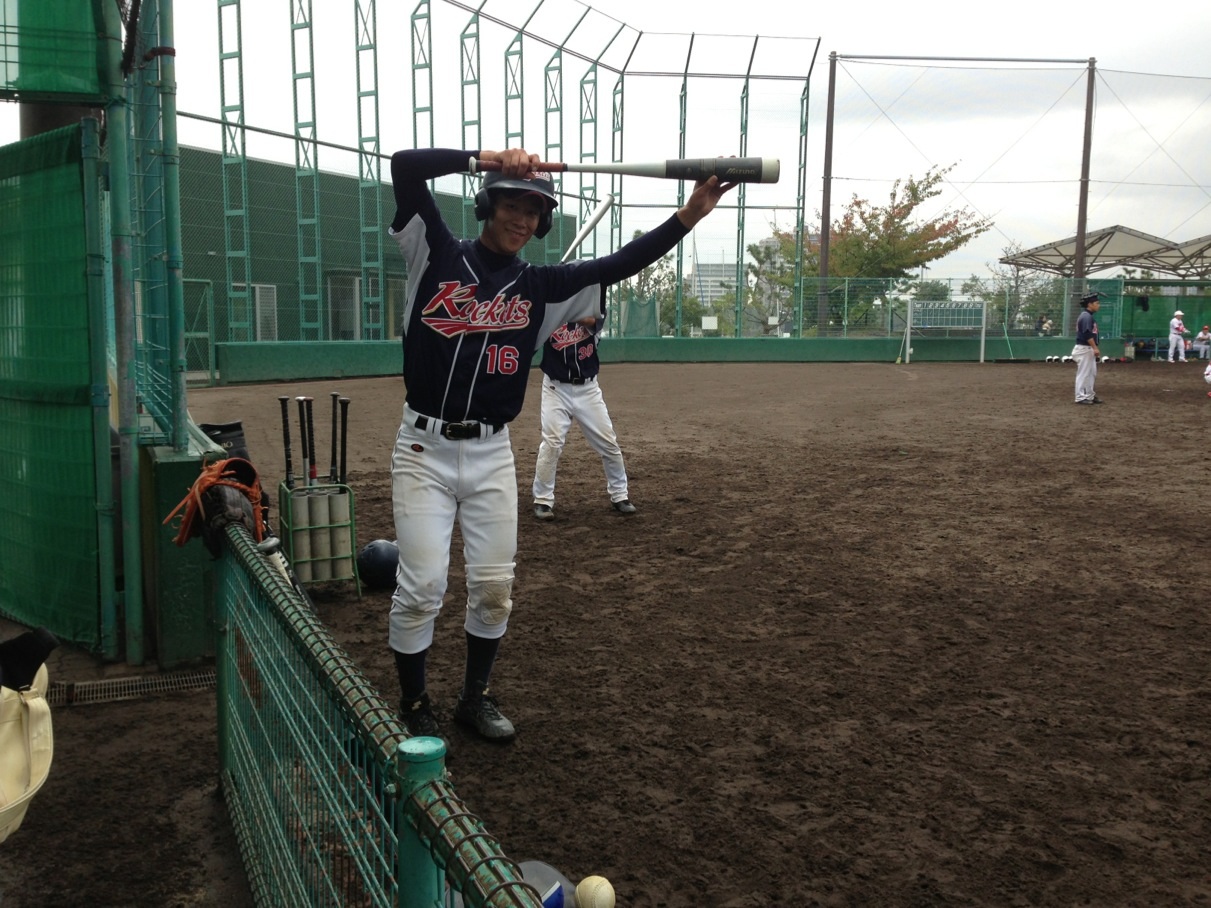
[[1149, 304], [246, 363]]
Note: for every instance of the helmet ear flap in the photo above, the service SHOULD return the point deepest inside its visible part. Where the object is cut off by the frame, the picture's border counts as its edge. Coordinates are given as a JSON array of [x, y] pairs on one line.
[[483, 205], [544, 224]]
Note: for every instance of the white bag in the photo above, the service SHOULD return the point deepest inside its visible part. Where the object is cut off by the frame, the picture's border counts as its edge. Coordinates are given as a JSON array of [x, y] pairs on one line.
[[26, 747]]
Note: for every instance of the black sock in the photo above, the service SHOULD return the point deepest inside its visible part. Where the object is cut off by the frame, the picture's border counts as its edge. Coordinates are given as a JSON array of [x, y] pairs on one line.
[[481, 655], [411, 670]]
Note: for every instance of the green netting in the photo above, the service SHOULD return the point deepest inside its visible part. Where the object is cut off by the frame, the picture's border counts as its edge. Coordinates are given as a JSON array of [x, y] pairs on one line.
[[48, 518], [51, 49], [640, 316]]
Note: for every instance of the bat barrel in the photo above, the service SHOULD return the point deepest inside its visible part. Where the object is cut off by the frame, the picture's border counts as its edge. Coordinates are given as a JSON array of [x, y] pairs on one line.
[[728, 170]]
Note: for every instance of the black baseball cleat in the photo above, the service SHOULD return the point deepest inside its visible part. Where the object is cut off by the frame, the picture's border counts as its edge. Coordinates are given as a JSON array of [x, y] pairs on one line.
[[479, 712], [543, 512], [1098, 400], [624, 507], [418, 718]]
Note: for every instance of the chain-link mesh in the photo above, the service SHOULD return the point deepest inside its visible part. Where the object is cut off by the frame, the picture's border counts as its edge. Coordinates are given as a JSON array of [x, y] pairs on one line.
[[332, 803]]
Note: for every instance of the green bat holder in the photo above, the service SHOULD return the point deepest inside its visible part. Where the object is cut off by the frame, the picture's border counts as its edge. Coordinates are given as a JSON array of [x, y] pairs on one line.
[[319, 537]]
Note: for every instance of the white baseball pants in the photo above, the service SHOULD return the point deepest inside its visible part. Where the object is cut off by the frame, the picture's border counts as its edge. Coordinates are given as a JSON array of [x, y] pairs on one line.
[[435, 481], [1177, 344], [563, 403], [1086, 371]]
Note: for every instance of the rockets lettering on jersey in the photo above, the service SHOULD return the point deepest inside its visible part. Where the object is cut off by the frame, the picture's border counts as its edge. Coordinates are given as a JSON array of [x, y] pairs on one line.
[[565, 337], [459, 312]]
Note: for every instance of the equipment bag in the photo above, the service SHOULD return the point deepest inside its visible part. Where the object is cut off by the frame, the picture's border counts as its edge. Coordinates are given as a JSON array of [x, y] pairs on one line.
[[26, 748]]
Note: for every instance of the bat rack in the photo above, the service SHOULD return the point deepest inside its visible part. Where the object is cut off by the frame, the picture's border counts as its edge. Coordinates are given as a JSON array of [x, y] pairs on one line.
[[318, 531]]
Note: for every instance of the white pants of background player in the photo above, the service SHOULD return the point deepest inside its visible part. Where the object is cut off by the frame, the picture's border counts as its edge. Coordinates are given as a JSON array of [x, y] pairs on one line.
[[435, 481], [1177, 343], [563, 403], [1086, 371]]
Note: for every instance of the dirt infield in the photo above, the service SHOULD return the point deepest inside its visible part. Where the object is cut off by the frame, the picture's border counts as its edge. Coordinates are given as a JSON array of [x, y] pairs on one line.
[[879, 635]]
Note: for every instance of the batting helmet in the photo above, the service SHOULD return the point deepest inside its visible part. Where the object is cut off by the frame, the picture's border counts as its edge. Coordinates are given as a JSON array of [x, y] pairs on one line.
[[540, 184], [377, 562]]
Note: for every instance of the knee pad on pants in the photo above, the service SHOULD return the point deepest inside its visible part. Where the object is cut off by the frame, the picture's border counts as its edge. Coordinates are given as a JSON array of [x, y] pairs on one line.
[[489, 602]]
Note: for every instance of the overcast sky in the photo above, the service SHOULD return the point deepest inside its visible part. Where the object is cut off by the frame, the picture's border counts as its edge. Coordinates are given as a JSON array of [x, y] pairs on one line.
[[1012, 131]]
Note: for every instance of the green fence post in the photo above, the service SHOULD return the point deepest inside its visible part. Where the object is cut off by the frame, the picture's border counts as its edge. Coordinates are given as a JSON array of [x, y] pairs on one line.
[[419, 761]]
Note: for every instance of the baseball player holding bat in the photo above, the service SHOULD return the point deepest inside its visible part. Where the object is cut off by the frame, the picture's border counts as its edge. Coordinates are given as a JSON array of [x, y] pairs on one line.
[[570, 393], [475, 315]]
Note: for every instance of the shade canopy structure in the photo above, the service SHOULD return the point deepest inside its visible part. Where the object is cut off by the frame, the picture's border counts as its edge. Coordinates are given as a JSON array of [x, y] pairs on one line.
[[1120, 247]]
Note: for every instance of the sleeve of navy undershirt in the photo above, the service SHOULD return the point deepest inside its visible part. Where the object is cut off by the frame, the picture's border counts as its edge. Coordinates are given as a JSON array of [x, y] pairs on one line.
[[640, 252], [412, 169]]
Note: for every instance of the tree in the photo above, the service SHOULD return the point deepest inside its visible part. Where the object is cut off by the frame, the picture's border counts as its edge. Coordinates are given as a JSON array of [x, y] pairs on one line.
[[1017, 296], [771, 296], [658, 283], [886, 242], [889, 242], [658, 279]]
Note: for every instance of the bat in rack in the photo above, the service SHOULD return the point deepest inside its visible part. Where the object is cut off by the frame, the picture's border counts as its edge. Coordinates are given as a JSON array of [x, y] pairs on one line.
[[313, 473], [302, 402], [728, 170], [344, 437], [332, 473], [285, 402]]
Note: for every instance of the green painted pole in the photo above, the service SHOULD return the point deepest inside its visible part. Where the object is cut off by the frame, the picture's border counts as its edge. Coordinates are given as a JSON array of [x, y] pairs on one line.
[[172, 226], [117, 135], [98, 366]]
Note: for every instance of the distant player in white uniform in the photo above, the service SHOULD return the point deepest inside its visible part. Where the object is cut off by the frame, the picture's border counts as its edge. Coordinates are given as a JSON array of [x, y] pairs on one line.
[[571, 393], [474, 315], [1177, 343]]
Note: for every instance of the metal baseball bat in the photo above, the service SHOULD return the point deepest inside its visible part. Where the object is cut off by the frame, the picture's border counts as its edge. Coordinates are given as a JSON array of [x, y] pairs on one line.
[[598, 213], [302, 402], [344, 435], [729, 170], [332, 474], [312, 467], [285, 402]]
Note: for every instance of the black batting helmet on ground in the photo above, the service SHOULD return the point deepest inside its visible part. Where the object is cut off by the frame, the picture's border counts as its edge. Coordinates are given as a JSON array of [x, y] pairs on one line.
[[377, 562], [541, 184]]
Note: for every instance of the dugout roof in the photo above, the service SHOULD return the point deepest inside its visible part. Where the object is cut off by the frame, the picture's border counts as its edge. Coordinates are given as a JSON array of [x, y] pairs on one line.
[[1121, 247]]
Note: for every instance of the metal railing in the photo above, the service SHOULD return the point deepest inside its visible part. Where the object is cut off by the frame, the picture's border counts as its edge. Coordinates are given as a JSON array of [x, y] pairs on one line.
[[332, 802]]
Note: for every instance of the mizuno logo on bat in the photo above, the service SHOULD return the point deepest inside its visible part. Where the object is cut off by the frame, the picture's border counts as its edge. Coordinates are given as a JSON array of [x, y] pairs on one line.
[[454, 310], [740, 171]]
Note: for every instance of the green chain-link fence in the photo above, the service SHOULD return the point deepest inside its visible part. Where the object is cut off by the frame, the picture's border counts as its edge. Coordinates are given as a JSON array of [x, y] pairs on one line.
[[332, 802]]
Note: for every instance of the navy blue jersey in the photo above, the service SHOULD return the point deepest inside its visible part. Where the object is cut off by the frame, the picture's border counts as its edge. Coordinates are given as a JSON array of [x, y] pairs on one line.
[[1086, 329], [473, 318], [570, 354]]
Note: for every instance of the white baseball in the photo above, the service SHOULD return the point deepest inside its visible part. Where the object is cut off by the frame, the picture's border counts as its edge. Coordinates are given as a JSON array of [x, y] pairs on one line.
[[594, 892]]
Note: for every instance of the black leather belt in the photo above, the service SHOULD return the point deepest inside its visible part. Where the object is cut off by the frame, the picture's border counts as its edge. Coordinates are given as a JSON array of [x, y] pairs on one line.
[[579, 381], [461, 431]]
